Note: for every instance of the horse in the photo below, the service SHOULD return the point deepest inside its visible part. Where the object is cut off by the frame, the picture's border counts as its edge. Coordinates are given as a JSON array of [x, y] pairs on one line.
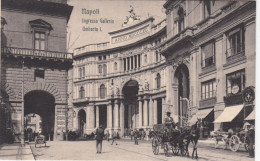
[[193, 137]]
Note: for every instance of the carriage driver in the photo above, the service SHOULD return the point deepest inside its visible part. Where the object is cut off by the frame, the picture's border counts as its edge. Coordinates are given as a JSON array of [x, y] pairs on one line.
[[169, 122]]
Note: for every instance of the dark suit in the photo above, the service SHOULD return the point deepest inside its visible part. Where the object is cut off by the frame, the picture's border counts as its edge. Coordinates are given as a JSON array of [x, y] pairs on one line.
[[99, 138], [251, 139]]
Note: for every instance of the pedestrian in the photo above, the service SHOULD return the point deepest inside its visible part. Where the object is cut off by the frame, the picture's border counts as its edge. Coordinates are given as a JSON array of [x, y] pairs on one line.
[[131, 133], [114, 136], [99, 138], [107, 135], [136, 136], [251, 140]]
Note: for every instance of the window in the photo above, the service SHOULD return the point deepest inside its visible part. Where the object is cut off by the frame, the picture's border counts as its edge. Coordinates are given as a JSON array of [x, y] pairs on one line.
[[208, 54], [208, 89], [102, 91], [180, 21], [235, 43], [80, 73], [158, 81], [124, 64], [145, 58], [83, 72], [39, 40], [38, 75], [81, 92], [104, 57], [100, 69], [156, 56], [104, 69], [115, 66], [236, 82], [99, 57], [206, 8]]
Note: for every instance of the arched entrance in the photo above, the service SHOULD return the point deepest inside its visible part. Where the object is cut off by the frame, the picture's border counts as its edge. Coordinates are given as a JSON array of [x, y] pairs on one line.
[[130, 91], [181, 77], [41, 103], [82, 121]]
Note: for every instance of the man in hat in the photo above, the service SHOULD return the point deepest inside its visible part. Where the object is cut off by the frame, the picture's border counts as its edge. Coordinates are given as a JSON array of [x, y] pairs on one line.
[[169, 122], [99, 138]]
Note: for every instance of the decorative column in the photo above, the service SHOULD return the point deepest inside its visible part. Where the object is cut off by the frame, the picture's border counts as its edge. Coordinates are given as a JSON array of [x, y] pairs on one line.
[[163, 110], [109, 117], [151, 112], [155, 121], [90, 118], [97, 116], [75, 120], [116, 116], [129, 116], [140, 106], [122, 118], [146, 113]]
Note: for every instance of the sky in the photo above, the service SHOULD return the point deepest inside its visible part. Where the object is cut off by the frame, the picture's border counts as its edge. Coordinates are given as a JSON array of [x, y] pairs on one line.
[[115, 10]]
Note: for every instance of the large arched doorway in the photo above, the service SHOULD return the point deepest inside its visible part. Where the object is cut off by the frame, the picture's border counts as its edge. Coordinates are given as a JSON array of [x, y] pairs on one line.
[[41, 103], [82, 121], [181, 77], [130, 91]]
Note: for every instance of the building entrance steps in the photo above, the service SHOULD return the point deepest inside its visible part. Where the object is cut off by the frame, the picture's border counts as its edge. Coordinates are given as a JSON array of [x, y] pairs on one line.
[[15, 152]]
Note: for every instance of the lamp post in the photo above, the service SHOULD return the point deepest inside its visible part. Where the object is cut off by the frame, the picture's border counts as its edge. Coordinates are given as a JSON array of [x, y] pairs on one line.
[[22, 118]]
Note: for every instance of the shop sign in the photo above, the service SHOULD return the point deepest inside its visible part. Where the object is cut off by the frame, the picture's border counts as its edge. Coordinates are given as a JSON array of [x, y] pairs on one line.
[[248, 95], [235, 89]]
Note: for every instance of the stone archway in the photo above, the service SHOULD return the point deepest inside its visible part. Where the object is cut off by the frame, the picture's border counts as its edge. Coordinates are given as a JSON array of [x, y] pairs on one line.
[[41, 86], [181, 93], [131, 113], [81, 121]]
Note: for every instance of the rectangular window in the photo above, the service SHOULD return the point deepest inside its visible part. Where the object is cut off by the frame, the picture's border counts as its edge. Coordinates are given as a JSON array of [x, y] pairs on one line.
[[38, 75], [236, 82], [208, 54], [83, 72], [236, 42], [39, 40], [124, 64], [100, 69], [139, 61], [208, 89]]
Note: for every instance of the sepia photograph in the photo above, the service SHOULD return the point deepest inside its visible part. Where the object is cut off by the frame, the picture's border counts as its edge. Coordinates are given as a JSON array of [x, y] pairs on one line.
[[128, 80]]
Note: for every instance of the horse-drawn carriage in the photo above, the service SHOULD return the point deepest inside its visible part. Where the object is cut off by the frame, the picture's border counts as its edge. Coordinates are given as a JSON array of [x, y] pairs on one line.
[[175, 141], [232, 140]]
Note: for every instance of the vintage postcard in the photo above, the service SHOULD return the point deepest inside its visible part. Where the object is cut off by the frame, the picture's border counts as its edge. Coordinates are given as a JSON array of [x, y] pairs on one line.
[[127, 80]]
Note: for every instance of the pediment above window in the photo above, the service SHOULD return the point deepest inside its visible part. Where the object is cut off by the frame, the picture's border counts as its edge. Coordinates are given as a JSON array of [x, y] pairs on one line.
[[39, 23]]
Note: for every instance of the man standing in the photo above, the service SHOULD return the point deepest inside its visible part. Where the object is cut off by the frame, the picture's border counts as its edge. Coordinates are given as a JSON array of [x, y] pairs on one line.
[[108, 135], [136, 136], [169, 122], [99, 138], [251, 140]]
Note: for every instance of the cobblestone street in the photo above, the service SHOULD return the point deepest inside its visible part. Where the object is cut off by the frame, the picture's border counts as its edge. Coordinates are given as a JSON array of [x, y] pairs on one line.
[[125, 150]]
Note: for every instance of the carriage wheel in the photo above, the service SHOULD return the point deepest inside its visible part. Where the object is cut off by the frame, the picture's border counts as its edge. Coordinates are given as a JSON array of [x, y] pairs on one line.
[[155, 146], [234, 143]]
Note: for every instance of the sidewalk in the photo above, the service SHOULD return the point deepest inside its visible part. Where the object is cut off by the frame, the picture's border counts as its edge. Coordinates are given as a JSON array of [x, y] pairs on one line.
[[15, 152]]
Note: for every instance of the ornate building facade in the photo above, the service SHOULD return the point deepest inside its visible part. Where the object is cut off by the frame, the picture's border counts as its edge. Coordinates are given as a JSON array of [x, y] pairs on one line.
[[35, 63], [195, 64]]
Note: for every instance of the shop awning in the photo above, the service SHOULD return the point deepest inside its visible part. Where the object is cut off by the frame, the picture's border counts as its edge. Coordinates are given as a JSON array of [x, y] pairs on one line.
[[229, 114], [200, 114], [251, 116]]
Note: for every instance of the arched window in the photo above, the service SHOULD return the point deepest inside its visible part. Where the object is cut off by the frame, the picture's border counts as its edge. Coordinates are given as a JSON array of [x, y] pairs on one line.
[[102, 91], [115, 66], [158, 80], [81, 92], [180, 21]]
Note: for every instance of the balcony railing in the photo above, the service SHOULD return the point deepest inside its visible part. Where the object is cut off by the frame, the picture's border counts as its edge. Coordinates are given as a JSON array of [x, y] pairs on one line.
[[36, 53]]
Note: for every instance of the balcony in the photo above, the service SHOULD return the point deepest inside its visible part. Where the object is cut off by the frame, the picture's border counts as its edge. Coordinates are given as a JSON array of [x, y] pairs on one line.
[[36, 53]]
